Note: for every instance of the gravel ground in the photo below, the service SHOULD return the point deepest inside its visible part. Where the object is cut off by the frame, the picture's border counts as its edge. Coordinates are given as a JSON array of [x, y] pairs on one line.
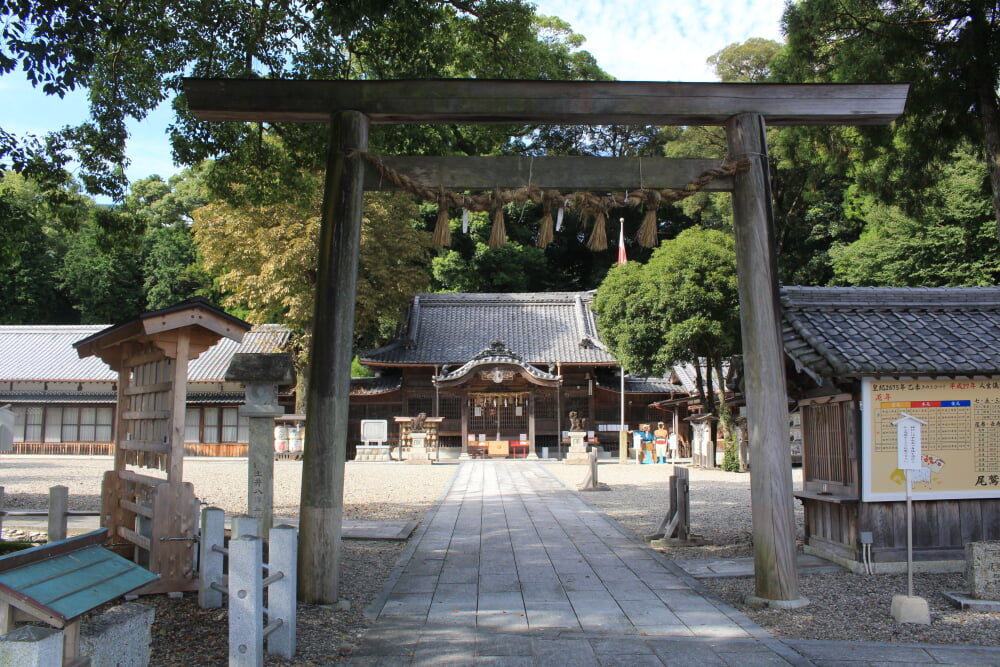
[[844, 606], [185, 634]]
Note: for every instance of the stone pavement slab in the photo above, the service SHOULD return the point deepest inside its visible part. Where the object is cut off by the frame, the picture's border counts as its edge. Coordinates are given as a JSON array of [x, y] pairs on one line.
[[513, 568], [743, 567]]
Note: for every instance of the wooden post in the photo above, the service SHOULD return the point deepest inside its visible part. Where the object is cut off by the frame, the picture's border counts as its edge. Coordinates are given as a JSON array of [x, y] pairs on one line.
[[771, 467], [532, 433], [175, 467], [465, 428], [321, 506]]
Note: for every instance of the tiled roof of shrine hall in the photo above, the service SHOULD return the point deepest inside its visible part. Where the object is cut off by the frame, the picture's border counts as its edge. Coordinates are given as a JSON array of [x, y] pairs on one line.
[[543, 328], [892, 331]]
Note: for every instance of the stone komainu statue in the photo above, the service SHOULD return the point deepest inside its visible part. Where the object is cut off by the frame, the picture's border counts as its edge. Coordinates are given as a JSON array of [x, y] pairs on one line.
[[576, 423], [418, 422]]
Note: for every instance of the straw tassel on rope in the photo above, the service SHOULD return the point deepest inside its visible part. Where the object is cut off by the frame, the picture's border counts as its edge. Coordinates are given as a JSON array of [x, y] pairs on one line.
[[545, 232], [498, 235], [599, 236], [442, 230], [647, 231]]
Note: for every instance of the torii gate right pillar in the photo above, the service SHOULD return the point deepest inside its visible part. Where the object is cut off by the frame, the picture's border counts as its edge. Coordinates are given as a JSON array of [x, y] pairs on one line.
[[763, 360]]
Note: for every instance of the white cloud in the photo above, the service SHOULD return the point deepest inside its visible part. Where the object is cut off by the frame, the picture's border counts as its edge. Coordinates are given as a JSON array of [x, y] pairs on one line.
[[666, 40]]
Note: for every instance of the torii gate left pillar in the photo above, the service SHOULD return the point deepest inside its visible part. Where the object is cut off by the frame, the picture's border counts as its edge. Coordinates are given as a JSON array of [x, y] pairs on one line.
[[321, 505]]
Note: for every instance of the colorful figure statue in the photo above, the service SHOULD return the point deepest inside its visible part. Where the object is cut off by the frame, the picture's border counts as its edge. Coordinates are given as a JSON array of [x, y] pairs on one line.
[[660, 436], [644, 454], [673, 443]]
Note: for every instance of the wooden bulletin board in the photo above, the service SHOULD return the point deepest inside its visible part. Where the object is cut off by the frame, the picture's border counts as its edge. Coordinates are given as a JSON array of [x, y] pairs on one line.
[[960, 442]]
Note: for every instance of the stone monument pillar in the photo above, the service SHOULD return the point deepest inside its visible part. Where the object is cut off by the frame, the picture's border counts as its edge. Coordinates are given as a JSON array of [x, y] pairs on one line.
[[577, 454], [261, 374]]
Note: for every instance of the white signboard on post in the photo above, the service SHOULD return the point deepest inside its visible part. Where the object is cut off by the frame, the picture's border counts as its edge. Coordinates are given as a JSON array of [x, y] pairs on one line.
[[908, 434]]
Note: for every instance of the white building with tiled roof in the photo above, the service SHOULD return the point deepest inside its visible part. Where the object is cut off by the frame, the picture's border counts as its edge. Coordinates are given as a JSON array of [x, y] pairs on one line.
[[65, 404]]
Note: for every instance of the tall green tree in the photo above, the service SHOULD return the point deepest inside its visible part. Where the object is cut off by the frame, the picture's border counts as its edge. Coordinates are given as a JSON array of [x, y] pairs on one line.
[[953, 243], [36, 222], [130, 58], [948, 50], [265, 259], [102, 269], [681, 306], [171, 266], [807, 185]]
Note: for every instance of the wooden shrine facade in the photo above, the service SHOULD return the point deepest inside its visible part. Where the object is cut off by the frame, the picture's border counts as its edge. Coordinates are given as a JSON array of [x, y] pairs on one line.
[[859, 359], [502, 367]]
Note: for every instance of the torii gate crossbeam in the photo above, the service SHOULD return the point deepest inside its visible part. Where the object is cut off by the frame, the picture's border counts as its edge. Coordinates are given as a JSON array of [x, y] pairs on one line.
[[351, 105]]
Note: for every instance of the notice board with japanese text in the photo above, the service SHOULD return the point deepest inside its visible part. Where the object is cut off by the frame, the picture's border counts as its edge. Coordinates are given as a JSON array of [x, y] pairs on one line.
[[960, 438]]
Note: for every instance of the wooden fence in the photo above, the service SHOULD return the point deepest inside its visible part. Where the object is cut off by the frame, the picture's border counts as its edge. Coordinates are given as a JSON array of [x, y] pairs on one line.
[[58, 512]]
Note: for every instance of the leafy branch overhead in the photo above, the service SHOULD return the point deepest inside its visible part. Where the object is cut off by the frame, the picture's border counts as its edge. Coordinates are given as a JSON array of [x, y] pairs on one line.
[[130, 57]]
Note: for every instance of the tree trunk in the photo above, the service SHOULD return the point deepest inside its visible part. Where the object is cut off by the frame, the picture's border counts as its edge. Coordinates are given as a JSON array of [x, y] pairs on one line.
[[724, 416], [702, 398]]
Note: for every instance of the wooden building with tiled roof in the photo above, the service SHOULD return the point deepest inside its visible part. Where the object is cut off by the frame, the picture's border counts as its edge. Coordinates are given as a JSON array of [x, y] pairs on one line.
[[866, 363], [502, 367]]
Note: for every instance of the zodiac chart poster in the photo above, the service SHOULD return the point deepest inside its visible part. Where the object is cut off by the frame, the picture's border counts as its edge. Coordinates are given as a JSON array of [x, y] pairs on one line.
[[960, 438]]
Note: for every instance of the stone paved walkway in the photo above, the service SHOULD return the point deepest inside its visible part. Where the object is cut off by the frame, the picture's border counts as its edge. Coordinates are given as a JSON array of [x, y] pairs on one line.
[[512, 568]]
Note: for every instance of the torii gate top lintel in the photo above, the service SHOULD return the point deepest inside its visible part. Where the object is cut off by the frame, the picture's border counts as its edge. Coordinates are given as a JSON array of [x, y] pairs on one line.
[[544, 102]]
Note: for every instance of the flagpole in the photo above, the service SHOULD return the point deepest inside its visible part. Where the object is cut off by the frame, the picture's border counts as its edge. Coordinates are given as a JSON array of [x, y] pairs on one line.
[[623, 432]]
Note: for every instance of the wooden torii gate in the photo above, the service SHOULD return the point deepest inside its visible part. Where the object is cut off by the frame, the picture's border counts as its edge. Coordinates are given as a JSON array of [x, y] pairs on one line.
[[350, 106]]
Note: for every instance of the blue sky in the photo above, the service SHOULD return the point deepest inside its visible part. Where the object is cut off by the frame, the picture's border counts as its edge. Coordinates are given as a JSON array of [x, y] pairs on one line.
[[633, 40]]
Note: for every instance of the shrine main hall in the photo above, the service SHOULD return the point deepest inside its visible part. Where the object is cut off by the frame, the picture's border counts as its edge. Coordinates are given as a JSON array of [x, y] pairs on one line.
[[503, 368]]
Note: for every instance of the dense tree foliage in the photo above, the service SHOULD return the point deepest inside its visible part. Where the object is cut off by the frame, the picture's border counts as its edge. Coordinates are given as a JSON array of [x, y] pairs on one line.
[[131, 57], [30, 252], [680, 306], [102, 271], [948, 50], [953, 243], [266, 259], [68, 259]]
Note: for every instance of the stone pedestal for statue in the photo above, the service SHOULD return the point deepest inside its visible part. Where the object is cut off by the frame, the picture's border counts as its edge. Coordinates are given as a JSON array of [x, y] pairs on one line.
[[982, 574], [418, 450], [577, 454]]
